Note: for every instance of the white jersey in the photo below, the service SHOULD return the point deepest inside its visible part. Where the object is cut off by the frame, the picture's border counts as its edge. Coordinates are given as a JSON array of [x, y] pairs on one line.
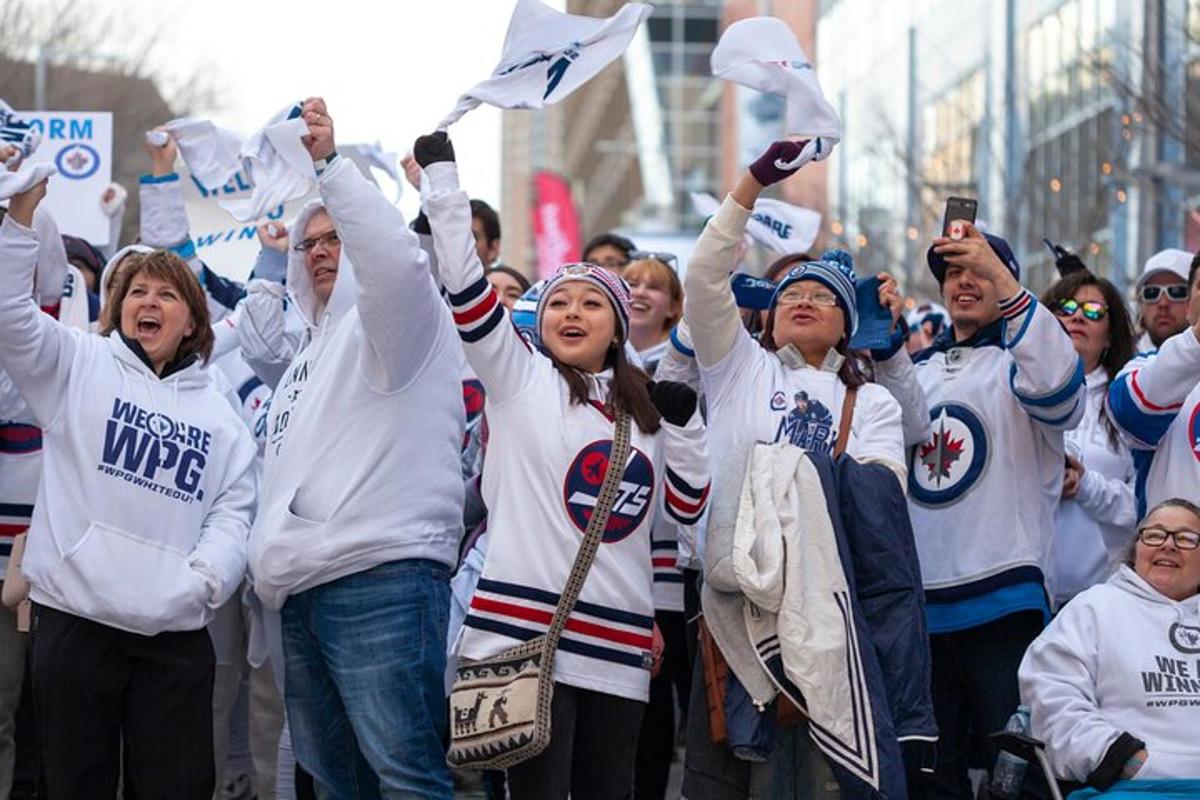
[[1155, 401], [984, 486], [546, 460]]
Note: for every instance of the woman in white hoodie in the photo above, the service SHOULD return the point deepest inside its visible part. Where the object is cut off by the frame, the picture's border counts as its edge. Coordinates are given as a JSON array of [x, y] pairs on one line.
[[150, 475], [1114, 681], [551, 425]]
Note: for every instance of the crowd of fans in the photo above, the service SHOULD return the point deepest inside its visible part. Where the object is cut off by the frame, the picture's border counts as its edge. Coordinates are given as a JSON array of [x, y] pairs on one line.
[[252, 529]]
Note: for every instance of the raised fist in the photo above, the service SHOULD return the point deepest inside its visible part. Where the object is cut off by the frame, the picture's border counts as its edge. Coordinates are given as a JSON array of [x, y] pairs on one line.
[[319, 140], [433, 148]]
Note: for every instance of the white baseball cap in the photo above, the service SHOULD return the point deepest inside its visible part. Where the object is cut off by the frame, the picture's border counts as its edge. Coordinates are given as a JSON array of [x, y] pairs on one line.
[[1175, 262]]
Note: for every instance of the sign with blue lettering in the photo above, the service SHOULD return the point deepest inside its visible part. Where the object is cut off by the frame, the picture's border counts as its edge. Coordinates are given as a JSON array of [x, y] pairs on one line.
[[227, 246], [79, 144]]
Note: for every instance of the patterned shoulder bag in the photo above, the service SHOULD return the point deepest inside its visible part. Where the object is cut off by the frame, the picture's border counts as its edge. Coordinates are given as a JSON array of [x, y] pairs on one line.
[[500, 706]]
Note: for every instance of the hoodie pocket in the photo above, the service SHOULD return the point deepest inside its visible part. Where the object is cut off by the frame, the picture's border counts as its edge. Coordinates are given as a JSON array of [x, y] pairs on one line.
[[289, 553], [123, 580]]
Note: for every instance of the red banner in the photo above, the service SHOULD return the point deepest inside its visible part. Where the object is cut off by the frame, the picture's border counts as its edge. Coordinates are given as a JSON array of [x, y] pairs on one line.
[[555, 223]]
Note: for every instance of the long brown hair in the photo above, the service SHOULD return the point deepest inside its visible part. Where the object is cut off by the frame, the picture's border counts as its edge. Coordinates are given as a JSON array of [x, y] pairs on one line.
[[165, 266], [626, 390]]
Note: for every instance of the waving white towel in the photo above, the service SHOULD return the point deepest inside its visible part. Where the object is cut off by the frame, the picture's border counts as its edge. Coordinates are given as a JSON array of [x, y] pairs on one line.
[[549, 54], [278, 165], [211, 153], [762, 53]]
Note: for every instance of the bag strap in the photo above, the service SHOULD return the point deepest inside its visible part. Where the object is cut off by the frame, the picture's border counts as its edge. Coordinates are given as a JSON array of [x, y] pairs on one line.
[[844, 426], [595, 531]]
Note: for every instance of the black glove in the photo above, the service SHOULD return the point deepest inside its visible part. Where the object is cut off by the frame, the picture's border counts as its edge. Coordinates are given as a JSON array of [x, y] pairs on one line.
[[675, 401], [433, 148]]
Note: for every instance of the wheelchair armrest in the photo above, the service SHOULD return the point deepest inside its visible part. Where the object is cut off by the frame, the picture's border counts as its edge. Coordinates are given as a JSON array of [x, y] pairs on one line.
[[1018, 744]]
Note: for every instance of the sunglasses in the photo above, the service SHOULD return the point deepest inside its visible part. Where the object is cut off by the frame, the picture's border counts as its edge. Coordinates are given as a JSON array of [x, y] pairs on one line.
[[670, 259], [1092, 309], [1156, 537], [1176, 293]]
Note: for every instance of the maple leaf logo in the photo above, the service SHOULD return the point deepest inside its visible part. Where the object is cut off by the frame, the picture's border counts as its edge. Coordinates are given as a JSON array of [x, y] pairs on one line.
[[77, 160], [940, 454]]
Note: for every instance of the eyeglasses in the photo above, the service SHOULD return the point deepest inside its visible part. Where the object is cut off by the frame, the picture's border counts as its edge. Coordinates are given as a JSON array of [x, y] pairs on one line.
[[612, 262], [1155, 537], [329, 240], [1092, 309], [670, 259], [1176, 292], [792, 297]]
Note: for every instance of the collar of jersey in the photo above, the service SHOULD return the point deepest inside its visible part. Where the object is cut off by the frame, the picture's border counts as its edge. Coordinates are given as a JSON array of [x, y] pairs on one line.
[[989, 336]]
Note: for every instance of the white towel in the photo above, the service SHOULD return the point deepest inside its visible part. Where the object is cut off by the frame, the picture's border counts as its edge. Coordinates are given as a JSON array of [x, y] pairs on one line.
[[17, 134], [278, 165], [778, 226], [762, 53], [211, 153], [549, 54], [366, 156], [24, 179]]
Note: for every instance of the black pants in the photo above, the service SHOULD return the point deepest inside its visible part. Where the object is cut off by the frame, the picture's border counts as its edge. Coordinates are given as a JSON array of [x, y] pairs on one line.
[[96, 687], [593, 740], [974, 693], [656, 744]]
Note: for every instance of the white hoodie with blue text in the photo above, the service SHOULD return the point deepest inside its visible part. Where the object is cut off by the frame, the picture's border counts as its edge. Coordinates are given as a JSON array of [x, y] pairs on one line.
[[151, 479]]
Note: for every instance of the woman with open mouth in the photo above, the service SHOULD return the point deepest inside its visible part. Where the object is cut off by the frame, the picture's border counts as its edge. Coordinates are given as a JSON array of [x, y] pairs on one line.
[[140, 526], [551, 415]]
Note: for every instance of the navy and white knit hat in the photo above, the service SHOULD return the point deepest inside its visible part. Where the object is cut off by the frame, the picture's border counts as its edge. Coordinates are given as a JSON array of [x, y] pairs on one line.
[[613, 286], [833, 274]]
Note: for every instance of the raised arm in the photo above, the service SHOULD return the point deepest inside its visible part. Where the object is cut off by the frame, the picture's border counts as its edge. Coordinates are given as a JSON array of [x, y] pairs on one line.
[[1046, 375], [35, 350], [403, 317], [164, 224], [709, 307], [1148, 394], [495, 350]]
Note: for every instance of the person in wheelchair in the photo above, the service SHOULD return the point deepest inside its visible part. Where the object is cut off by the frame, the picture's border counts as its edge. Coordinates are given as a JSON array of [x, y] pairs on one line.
[[1114, 681]]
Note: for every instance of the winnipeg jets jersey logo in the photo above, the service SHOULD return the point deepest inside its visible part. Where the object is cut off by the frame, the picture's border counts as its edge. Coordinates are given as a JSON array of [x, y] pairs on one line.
[[948, 464], [634, 492], [1185, 638]]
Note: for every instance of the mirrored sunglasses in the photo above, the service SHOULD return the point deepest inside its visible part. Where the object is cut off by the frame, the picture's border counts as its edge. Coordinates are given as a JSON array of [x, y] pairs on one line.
[[1092, 309]]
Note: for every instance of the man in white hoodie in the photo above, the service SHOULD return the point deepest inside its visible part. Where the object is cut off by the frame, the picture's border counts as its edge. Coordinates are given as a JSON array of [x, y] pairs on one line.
[[361, 505]]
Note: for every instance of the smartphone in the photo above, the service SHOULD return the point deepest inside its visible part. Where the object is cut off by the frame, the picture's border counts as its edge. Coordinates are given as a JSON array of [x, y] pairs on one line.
[[957, 208]]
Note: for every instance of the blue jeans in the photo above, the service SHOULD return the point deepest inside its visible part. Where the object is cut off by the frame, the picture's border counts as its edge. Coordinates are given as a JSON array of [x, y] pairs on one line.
[[364, 659]]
